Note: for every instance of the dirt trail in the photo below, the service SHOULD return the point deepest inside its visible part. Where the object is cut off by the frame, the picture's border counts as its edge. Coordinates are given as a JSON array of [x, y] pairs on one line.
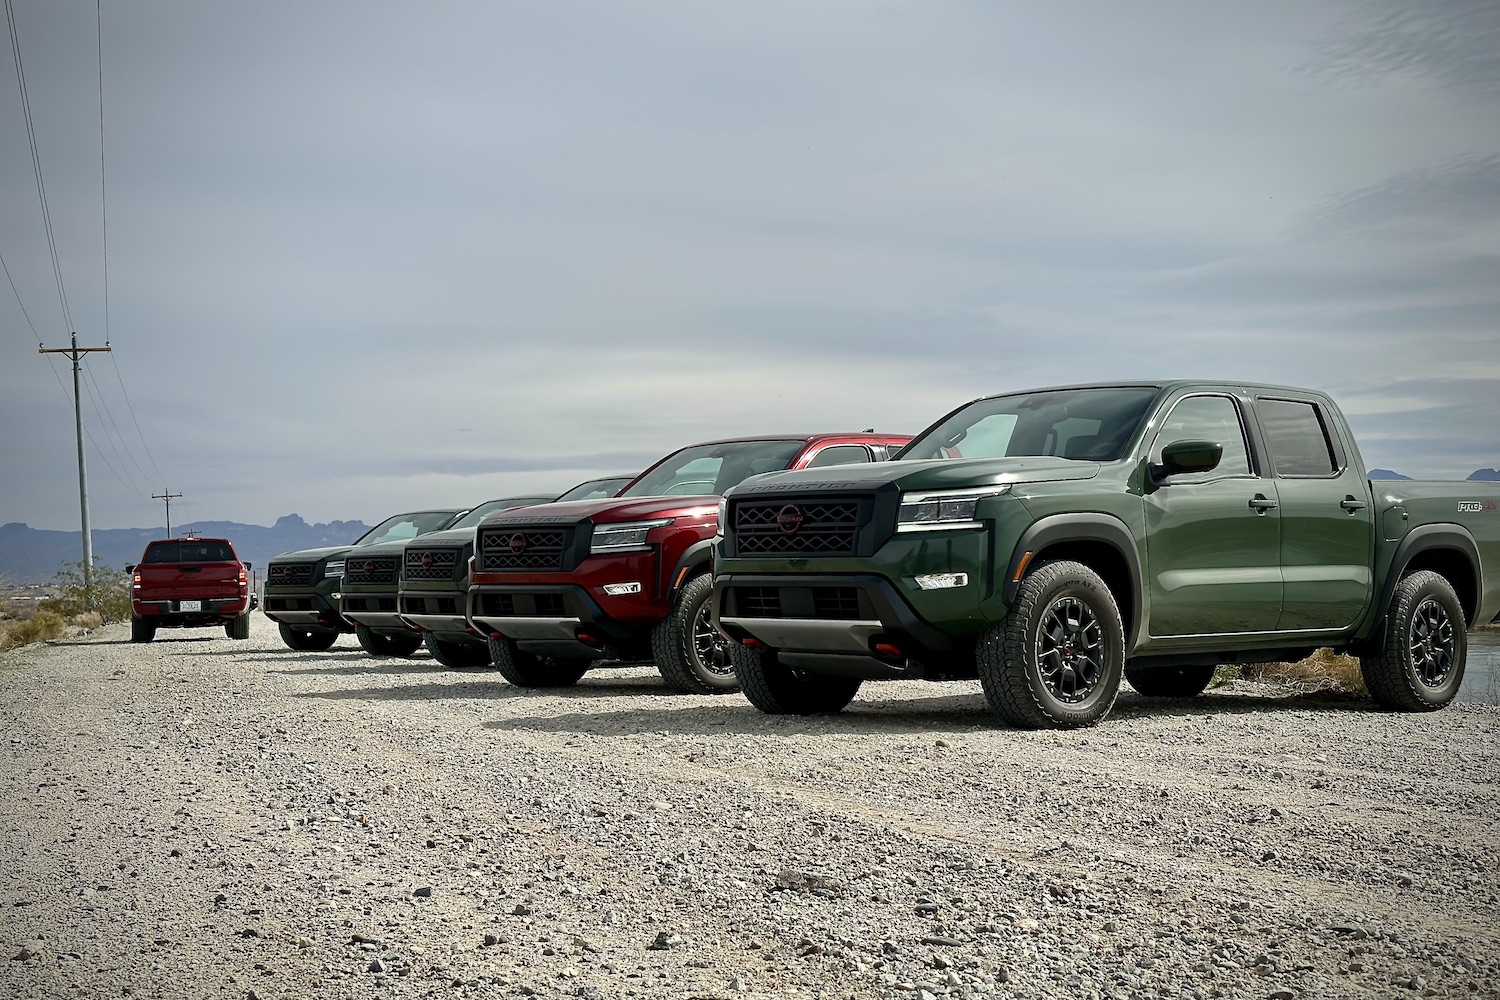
[[199, 817]]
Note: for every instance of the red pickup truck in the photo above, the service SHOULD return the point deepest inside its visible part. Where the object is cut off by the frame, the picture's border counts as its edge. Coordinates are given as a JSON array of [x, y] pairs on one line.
[[558, 588], [188, 583]]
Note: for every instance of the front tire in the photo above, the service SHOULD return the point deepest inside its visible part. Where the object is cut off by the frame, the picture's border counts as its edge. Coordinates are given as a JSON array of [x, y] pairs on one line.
[[690, 654], [142, 630], [306, 640], [458, 655], [1170, 682], [238, 627], [378, 644], [1055, 661], [528, 670], [777, 689], [1426, 647]]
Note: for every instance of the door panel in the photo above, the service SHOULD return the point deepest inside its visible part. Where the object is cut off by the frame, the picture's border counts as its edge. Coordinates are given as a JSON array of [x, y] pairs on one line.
[[1212, 539]]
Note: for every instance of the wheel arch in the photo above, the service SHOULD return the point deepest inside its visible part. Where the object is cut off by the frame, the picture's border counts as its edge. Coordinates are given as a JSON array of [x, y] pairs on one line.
[[1446, 549], [696, 559], [1099, 541]]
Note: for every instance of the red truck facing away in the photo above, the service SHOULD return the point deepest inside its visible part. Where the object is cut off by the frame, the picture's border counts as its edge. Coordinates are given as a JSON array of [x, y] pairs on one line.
[[188, 582], [558, 588]]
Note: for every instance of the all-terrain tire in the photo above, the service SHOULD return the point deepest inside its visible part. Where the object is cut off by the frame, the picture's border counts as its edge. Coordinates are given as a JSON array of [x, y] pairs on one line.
[[1426, 647], [531, 671], [777, 689], [238, 627], [381, 644], [306, 640], [1055, 661], [458, 655], [141, 630], [1170, 682], [690, 654]]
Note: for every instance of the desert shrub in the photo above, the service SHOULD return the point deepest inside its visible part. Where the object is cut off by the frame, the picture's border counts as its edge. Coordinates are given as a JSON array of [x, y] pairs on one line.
[[38, 628], [1324, 670], [88, 620], [110, 599]]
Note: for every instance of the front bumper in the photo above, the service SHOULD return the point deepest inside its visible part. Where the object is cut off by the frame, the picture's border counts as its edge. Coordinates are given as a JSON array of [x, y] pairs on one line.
[[374, 609], [562, 620], [304, 609], [436, 610]]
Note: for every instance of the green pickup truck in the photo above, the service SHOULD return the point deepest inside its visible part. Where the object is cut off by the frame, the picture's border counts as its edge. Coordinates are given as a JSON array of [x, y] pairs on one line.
[[1054, 542], [302, 588]]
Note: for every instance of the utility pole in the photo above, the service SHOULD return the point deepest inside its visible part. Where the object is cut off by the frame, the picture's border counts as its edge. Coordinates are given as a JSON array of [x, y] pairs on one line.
[[75, 352], [168, 497]]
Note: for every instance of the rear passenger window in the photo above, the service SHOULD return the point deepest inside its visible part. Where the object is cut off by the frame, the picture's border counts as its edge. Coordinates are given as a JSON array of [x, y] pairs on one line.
[[839, 454], [1297, 437]]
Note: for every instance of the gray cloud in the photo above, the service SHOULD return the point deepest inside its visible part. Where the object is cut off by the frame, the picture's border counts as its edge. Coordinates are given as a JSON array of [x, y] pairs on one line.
[[1452, 43]]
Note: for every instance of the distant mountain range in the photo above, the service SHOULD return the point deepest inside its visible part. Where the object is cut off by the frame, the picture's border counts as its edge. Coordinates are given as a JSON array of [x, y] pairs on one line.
[[1478, 475], [29, 555]]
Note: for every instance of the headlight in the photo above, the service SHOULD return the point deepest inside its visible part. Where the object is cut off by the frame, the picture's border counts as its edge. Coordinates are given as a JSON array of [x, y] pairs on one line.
[[943, 510], [333, 569], [623, 537], [723, 517]]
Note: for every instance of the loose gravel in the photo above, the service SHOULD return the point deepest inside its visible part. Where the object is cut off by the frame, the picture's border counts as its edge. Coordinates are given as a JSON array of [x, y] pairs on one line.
[[200, 817]]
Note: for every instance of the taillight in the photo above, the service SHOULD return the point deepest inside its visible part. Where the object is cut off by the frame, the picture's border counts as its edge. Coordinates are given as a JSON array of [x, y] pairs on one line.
[[135, 582]]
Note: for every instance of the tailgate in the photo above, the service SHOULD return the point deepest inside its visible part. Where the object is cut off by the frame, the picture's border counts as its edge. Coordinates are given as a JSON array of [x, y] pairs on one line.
[[175, 581]]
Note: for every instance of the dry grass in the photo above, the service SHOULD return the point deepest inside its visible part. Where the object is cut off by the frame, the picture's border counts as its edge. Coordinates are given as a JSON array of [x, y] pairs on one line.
[[1325, 670], [39, 627]]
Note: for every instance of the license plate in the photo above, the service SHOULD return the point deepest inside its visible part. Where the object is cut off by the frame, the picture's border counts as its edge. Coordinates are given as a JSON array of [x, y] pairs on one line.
[[189, 605]]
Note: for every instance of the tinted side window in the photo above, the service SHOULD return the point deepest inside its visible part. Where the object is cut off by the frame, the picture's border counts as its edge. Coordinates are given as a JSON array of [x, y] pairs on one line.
[[1207, 418], [1297, 438], [839, 454]]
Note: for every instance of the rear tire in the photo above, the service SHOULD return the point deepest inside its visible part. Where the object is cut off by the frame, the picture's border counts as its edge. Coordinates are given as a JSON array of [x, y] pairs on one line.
[[778, 689], [1169, 682], [238, 627], [378, 644], [1426, 647], [1055, 661], [690, 654], [305, 640], [458, 655], [142, 630], [528, 670]]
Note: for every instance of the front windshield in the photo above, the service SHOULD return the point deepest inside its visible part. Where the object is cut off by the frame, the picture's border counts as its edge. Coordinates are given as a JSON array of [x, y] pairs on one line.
[[404, 526], [1086, 424], [596, 489], [473, 517], [713, 468]]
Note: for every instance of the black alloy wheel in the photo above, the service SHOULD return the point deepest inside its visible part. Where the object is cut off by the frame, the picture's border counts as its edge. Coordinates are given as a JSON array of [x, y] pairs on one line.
[[1420, 666]]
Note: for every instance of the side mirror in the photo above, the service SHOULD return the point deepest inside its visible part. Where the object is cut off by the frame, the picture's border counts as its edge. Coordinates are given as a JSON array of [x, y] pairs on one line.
[[1186, 457], [130, 567], [249, 567]]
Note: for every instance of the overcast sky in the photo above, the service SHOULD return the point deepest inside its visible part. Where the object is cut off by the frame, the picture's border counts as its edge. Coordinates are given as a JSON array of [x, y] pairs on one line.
[[373, 257]]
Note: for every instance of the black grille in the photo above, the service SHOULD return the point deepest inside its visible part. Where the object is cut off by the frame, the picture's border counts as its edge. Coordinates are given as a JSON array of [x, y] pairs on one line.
[[431, 564], [289, 604], [413, 605], [371, 569], [777, 528], [758, 602], [827, 603], [429, 605], [523, 605], [289, 574], [835, 602], [515, 550]]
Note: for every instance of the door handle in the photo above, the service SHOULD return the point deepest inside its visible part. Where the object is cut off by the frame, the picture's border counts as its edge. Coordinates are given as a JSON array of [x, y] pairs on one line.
[[1351, 505], [1260, 504]]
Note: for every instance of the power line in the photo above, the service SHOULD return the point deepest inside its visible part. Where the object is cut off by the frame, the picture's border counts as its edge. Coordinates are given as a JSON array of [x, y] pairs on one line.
[[103, 203], [96, 395], [29, 323], [36, 163], [133, 420]]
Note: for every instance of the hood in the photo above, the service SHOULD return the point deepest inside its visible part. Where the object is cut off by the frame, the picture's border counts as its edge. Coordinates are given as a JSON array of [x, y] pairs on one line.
[[439, 538], [608, 511], [926, 474], [313, 555]]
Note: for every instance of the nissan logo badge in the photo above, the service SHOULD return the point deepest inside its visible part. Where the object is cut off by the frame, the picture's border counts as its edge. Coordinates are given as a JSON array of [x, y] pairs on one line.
[[789, 519]]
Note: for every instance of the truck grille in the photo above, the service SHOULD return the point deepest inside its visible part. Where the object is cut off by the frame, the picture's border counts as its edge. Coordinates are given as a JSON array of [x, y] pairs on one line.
[[431, 564], [523, 606], [430, 606], [516, 550], [827, 603], [289, 574], [372, 569], [778, 528]]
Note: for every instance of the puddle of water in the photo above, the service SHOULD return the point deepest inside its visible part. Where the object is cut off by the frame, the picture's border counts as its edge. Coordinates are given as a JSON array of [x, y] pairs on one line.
[[1482, 674]]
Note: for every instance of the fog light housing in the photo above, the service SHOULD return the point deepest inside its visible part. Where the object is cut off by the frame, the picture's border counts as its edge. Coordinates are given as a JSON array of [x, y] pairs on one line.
[[942, 581], [621, 589]]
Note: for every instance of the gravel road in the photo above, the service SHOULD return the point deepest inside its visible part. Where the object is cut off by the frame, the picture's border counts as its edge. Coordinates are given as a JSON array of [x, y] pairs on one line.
[[200, 817]]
